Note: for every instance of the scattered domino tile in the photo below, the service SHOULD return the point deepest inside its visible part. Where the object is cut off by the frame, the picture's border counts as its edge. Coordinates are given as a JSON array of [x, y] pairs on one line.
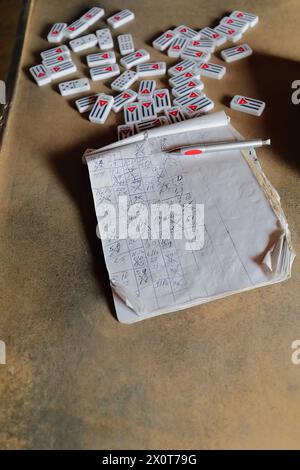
[[74, 86], [151, 69], [105, 39], [242, 15], [126, 44], [181, 78], [146, 88], [84, 42], [151, 124], [123, 98], [192, 84], [101, 109], [124, 81], [50, 53], [86, 104], [204, 105], [189, 98], [164, 40], [93, 15], [232, 34], [58, 59], [102, 72], [100, 58], [120, 18], [247, 105], [162, 99], [174, 114], [125, 130], [135, 58], [75, 29], [148, 109], [236, 53], [177, 46], [206, 45], [132, 113], [235, 23], [187, 32], [181, 67], [211, 70], [40, 74], [62, 70], [56, 33], [210, 33], [192, 54]]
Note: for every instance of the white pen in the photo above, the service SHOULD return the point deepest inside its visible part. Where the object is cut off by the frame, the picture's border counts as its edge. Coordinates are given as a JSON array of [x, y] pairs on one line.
[[218, 146]]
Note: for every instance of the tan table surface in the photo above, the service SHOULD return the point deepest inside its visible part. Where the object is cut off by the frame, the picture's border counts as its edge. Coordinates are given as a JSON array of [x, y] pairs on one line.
[[216, 376]]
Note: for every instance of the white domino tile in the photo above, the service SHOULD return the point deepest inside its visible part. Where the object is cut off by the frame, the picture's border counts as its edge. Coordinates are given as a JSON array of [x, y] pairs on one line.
[[146, 88], [148, 109], [151, 124], [206, 45], [191, 84], [247, 105], [126, 44], [236, 53], [162, 99], [125, 131], [83, 43], [174, 114], [181, 78], [56, 33], [203, 105], [232, 34], [177, 46], [187, 32], [151, 69], [62, 70], [105, 39], [243, 15], [101, 58], [195, 55], [56, 60], [124, 81], [73, 87], [75, 29], [86, 104], [135, 58], [40, 74], [101, 109], [211, 70], [181, 67], [103, 72], [50, 53], [235, 23], [132, 113], [93, 15], [120, 18], [210, 33], [189, 98], [164, 40], [123, 98]]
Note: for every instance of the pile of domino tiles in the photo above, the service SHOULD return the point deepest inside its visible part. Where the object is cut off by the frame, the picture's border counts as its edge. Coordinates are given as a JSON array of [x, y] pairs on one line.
[[147, 107]]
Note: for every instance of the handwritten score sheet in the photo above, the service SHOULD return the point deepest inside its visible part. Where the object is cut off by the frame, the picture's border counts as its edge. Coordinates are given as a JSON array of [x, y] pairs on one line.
[[244, 239]]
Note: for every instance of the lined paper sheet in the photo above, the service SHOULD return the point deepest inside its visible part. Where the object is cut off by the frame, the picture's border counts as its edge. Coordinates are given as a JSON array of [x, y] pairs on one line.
[[152, 276]]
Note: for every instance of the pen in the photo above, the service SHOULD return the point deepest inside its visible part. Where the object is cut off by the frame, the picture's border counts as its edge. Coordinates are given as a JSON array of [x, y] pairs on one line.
[[218, 146]]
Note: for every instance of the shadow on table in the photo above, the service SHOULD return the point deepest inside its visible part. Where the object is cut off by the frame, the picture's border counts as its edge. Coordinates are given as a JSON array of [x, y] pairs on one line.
[[73, 174], [273, 78]]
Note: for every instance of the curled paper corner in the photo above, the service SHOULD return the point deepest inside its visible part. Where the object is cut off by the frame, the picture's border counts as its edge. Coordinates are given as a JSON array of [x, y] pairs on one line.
[[129, 298], [86, 153], [274, 252]]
